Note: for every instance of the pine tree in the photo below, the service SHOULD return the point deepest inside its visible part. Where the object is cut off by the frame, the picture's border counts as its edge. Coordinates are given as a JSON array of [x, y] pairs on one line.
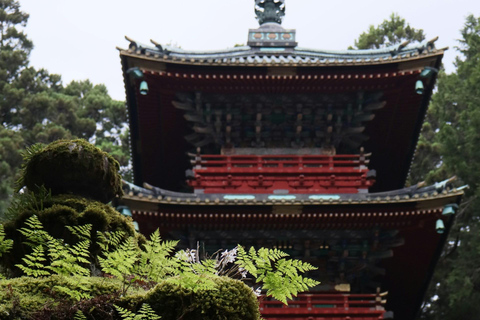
[[390, 32], [455, 113]]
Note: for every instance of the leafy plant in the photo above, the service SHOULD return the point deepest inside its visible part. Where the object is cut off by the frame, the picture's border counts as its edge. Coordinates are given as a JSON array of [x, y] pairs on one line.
[[145, 312], [79, 316], [279, 276], [70, 260], [34, 263], [155, 261], [5, 244]]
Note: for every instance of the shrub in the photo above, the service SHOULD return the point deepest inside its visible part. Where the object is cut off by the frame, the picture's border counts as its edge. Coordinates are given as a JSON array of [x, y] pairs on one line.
[[230, 299]]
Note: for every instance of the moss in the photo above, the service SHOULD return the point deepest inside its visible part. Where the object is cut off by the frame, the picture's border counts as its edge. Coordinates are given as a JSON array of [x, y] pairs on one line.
[[72, 166], [36, 298], [232, 300], [66, 210]]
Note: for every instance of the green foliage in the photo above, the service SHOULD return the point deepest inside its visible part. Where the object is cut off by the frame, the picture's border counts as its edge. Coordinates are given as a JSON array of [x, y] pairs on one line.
[[76, 288], [145, 312], [155, 261], [79, 316], [35, 107], [200, 289], [34, 263], [390, 32], [121, 262], [280, 277], [38, 298], [36, 238], [69, 260], [65, 210], [454, 116], [5, 244]]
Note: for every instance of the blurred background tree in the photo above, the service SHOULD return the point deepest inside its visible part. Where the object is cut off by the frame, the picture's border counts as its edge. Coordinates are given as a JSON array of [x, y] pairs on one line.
[[449, 145], [35, 106]]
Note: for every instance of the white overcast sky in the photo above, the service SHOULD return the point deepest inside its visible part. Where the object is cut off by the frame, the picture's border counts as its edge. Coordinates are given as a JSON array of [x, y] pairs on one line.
[[78, 39]]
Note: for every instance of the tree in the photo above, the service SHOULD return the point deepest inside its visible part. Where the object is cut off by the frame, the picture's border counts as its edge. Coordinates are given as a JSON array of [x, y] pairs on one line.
[[14, 48], [389, 32], [455, 117], [448, 146], [35, 107]]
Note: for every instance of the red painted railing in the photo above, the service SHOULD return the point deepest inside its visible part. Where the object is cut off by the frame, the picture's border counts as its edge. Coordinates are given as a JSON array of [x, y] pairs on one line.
[[319, 306], [269, 173]]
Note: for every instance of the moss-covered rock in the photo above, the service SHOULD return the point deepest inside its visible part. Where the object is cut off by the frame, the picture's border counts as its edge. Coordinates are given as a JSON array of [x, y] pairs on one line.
[[72, 166], [231, 300]]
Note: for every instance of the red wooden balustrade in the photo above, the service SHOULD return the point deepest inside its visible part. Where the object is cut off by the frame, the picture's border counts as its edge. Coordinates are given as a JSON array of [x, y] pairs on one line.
[[270, 173], [320, 306]]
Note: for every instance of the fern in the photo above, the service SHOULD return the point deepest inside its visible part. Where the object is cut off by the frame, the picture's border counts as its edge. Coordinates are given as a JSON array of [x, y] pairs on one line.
[[121, 262], [34, 263], [155, 262], [107, 240], [67, 260], [145, 313], [83, 232], [79, 316], [279, 276], [78, 288], [5, 244], [27, 155], [34, 232]]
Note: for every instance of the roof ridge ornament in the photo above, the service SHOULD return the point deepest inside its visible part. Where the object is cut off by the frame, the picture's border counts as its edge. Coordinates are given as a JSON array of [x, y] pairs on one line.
[[271, 36], [270, 11]]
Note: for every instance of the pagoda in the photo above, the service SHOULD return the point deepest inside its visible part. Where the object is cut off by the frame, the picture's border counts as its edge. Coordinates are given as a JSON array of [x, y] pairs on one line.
[[304, 150]]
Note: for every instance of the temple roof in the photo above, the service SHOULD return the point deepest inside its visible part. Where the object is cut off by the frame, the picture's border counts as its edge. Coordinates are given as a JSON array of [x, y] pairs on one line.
[[284, 56], [414, 195]]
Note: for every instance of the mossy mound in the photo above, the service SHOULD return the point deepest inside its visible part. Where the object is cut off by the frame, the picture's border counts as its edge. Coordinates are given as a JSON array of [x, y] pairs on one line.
[[59, 211], [72, 166], [231, 300], [38, 298]]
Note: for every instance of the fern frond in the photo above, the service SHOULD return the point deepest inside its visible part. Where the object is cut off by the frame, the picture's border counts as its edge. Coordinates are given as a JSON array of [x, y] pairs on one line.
[[69, 260], [34, 263], [5, 244], [34, 232], [124, 313], [77, 288], [145, 313], [279, 276], [148, 313], [155, 262], [79, 316], [83, 232], [107, 240], [121, 262]]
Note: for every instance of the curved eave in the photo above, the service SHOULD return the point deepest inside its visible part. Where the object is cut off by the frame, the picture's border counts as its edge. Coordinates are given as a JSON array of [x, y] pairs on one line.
[[418, 200], [260, 57]]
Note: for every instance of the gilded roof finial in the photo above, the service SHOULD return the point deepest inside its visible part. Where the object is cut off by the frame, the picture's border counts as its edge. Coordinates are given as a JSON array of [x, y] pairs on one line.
[[270, 11]]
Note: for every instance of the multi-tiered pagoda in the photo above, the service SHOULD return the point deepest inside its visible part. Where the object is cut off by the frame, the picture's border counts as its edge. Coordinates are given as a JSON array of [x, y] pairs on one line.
[[275, 145]]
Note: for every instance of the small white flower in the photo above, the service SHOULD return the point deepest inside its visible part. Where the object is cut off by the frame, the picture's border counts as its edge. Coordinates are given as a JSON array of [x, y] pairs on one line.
[[229, 256], [243, 272], [257, 292]]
